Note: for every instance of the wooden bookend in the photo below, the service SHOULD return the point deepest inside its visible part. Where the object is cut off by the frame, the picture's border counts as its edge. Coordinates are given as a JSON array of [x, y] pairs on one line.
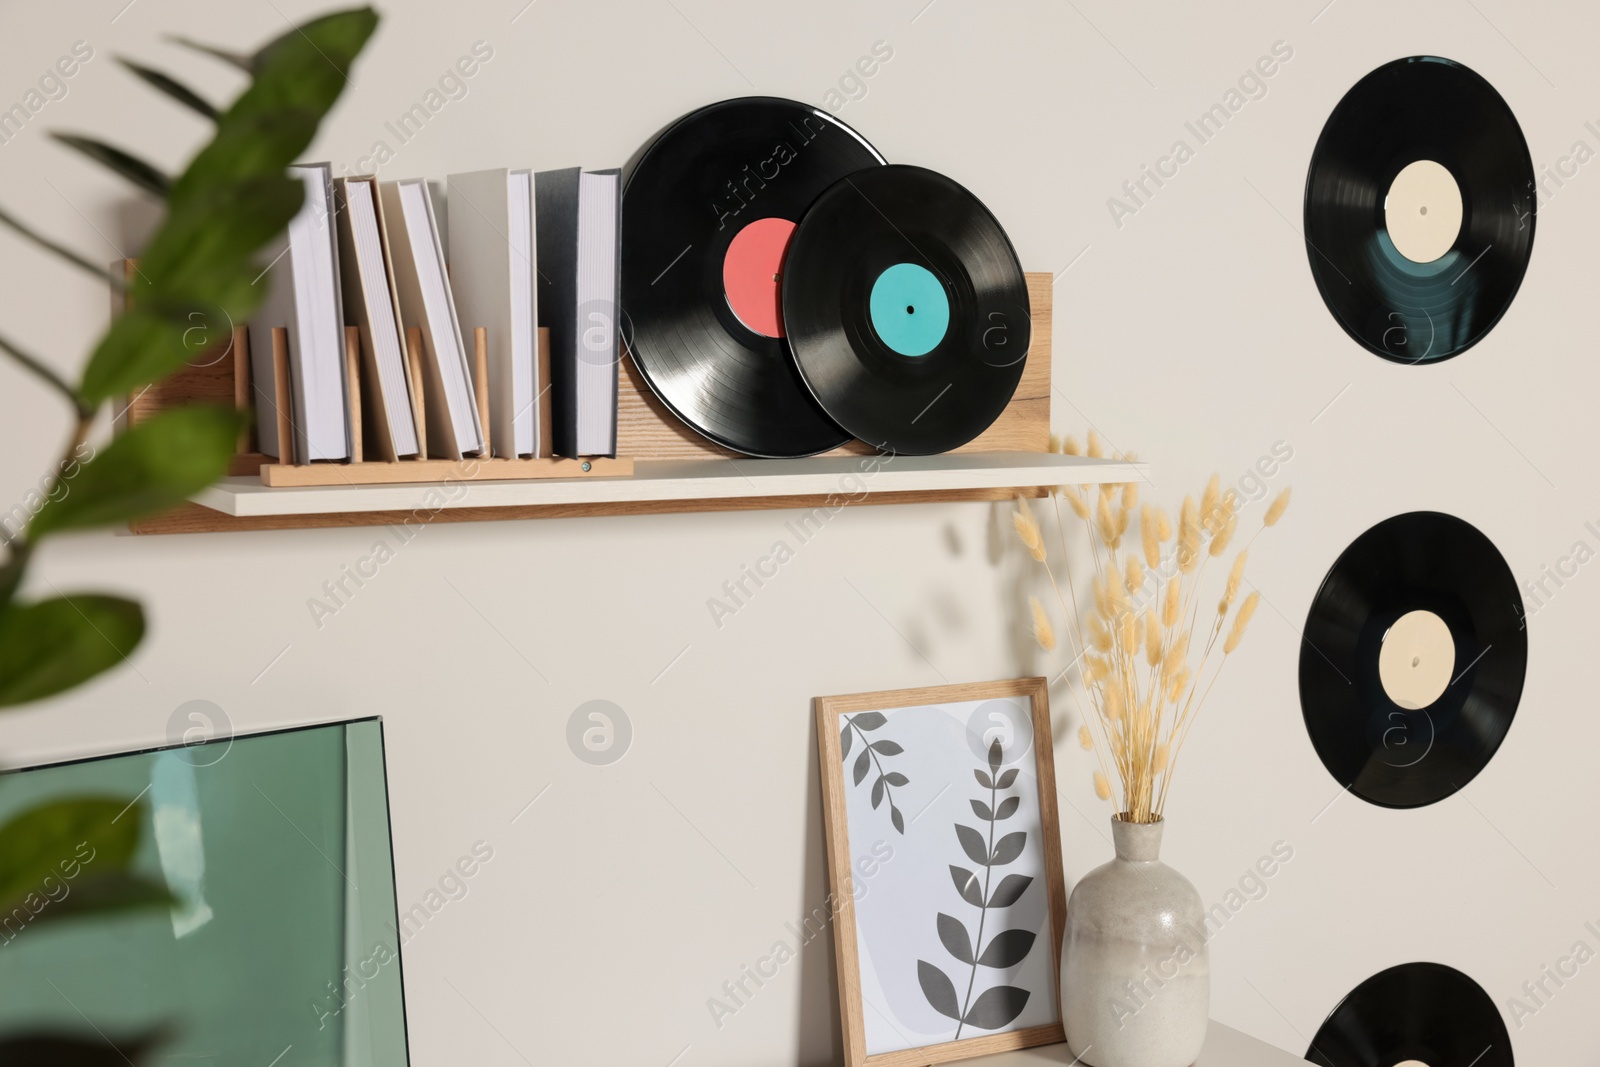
[[352, 380], [281, 400], [545, 445], [414, 370], [480, 383]]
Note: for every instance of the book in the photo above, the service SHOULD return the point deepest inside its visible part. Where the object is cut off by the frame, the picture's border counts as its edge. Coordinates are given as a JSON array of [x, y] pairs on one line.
[[579, 230], [428, 303], [304, 297], [492, 267], [370, 303]]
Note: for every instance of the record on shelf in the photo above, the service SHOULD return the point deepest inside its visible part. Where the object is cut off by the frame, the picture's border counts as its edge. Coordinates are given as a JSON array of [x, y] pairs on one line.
[[1412, 660], [1419, 209], [1414, 1015], [710, 207], [906, 310]]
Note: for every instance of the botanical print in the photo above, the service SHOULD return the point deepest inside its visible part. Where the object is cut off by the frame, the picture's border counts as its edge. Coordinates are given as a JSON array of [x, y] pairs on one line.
[[952, 939], [999, 1004], [872, 753]]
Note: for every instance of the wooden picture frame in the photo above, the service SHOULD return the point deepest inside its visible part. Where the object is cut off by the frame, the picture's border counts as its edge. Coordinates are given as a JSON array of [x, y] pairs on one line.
[[944, 717]]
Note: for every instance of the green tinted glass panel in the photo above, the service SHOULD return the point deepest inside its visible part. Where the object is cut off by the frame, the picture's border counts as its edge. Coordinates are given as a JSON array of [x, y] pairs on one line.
[[280, 945]]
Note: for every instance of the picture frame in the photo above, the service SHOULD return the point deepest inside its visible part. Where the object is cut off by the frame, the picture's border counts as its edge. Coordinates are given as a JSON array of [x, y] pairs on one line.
[[939, 811]]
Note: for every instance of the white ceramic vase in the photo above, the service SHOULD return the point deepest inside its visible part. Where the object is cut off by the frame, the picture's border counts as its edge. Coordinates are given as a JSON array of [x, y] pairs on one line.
[[1135, 974]]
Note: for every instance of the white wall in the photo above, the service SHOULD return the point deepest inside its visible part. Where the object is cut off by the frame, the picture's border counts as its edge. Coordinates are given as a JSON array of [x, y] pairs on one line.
[[621, 900]]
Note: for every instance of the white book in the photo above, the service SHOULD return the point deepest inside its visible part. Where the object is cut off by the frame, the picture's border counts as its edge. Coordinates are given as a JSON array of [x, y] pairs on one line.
[[371, 304], [304, 298], [599, 204], [491, 241], [427, 302]]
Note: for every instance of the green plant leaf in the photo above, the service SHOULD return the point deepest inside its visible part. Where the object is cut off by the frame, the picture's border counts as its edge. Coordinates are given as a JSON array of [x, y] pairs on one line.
[[154, 466], [131, 167], [107, 893], [207, 247], [64, 841], [53, 645], [52, 1049], [237, 59], [304, 71], [174, 88]]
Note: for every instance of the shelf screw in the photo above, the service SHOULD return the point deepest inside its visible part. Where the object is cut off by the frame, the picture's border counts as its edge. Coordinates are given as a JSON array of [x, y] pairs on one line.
[[587, 466]]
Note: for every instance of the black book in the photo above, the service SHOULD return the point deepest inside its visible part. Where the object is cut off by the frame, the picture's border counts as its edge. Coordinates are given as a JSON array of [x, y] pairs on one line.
[[579, 231]]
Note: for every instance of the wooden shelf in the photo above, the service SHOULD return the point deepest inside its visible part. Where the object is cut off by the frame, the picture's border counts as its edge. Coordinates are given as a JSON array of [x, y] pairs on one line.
[[673, 468], [848, 479]]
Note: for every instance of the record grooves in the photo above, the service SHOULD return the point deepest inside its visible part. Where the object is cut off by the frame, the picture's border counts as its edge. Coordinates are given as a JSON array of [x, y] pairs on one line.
[[1419, 210], [1413, 659], [906, 310], [710, 206], [1423, 1013]]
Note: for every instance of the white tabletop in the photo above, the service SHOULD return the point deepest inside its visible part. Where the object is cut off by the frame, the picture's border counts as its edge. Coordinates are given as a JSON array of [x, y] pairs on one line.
[[1225, 1047]]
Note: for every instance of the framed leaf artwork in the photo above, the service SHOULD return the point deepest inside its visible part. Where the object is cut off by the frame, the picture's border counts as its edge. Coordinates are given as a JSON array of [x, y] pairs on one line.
[[943, 849]]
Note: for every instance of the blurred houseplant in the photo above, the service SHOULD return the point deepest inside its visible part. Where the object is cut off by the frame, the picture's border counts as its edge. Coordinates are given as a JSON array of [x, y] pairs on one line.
[[198, 272], [1149, 647]]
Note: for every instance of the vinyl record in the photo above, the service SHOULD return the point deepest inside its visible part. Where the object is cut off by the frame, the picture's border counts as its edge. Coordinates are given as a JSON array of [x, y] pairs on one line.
[[906, 310], [1414, 1015], [1420, 209], [710, 206], [1412, 660]]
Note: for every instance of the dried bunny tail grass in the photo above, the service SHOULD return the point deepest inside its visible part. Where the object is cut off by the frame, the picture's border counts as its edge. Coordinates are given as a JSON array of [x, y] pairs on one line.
[[1085, 739], [1188, 536], [1102, 788], [1099, 636], [1130, 496], [1113, 703], [1105, 522], [1131, 633], [1235, 576], [1043, 632], [1069, 446], [1178, 683], [1122, 522], [1079, 507], [1208, 504], [1094, 668], [1147, 534], [1055, 443], [1162, 758], [1275, 510], [1027, 528], [1177, 656], [1240, 621], [1163, 526], [1096, 449], [1172, 605], [1220, 539], [1116, 599], [1134, 577], [1152, 639]]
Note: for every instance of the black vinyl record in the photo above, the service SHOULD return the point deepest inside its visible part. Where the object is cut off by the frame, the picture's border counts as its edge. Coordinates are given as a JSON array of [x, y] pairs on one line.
[[1422, 1012], [1413, 659], [710, 206], [1417, 135], [906, 310]]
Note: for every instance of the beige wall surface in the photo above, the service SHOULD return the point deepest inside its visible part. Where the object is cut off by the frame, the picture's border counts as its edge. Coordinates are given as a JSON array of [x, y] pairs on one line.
[[621, 897]]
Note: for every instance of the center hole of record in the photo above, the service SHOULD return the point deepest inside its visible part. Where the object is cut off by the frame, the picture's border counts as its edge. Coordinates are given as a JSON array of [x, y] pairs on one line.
[[1422, 211], [752, 272], [1417, 660], [909, 286]]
